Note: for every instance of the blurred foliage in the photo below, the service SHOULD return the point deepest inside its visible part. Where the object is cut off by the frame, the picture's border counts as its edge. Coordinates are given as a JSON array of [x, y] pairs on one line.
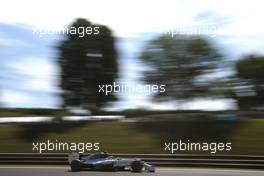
[[85, 63], [178, 63], [249, 85], [251, 68]]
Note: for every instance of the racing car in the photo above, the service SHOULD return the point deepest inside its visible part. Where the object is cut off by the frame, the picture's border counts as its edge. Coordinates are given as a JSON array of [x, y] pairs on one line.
[[105, 162]]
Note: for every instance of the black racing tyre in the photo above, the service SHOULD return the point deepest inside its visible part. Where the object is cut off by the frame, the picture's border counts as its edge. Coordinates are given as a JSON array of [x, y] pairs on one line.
[[119, 168], [136, 166], [75, 166]]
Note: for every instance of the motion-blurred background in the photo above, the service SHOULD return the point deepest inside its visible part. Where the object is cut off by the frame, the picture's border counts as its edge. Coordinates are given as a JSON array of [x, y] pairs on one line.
[[208, 54]]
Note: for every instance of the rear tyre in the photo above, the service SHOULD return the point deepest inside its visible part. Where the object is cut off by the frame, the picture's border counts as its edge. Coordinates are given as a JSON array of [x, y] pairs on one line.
[[75, 166], [119, 168], [136, 166]]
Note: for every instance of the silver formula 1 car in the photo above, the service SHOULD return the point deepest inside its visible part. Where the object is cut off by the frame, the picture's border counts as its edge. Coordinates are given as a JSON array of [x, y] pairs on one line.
[[105, 162]]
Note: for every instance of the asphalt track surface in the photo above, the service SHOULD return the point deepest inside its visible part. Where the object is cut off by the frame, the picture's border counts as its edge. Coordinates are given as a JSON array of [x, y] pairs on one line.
[[64, 171]]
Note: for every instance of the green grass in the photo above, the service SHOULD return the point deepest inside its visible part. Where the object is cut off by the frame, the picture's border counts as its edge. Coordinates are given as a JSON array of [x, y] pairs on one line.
[[140, 137], [249, 139], [112, 136]]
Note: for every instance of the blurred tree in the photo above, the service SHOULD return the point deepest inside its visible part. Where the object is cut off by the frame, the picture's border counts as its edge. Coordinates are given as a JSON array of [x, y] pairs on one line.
[[179, 63], [249, 89], [85, 63]]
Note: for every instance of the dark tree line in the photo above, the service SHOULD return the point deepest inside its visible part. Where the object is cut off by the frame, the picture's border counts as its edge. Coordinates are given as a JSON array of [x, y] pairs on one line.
[[179, 63], [249, 90], [85, 63]]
